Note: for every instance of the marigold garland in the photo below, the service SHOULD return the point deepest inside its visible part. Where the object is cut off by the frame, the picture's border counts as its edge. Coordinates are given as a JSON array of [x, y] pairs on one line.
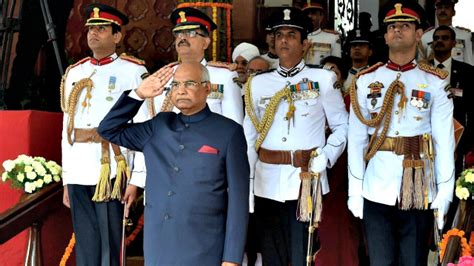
[[214, 7], [466, 249], [471, 242], [68, 251], [214, 35], [128, 241], [135, 232]]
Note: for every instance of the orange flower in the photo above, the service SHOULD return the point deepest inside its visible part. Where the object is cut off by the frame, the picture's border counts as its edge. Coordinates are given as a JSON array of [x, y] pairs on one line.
[[466, 248], [68, 251]]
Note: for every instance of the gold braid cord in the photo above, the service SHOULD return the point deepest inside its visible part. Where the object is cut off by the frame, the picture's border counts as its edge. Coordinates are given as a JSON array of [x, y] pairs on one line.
[[386, 112], [62, 95], [64, 106], [264, 125], [150, 103], [72, 103], [167, 105]]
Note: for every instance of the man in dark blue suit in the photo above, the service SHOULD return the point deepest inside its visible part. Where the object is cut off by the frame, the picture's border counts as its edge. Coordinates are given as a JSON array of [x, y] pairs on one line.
[[197, 182], [462, 91]]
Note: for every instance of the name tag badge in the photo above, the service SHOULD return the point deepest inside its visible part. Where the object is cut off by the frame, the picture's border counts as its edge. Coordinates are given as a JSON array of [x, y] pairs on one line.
[[457, 92]]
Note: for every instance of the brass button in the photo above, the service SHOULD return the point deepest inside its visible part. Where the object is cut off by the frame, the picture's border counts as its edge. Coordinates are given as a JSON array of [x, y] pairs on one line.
[[176, 169], [170, 193], [181, 147], [283, 139], [167, 217], [396, 112], [396, 133]]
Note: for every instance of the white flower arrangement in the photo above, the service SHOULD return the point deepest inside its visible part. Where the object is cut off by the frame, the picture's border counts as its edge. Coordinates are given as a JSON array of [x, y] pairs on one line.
[[31, 173], [465, 185]]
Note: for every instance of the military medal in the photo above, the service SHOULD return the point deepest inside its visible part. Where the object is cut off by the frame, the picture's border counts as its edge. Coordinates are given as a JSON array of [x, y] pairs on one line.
[[305, 89], [111, 87], [420, 99], [217, 91], [375, 92]]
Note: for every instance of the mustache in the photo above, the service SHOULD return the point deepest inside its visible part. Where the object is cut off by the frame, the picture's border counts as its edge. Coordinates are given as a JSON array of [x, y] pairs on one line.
[[443, 14], [184, 42]]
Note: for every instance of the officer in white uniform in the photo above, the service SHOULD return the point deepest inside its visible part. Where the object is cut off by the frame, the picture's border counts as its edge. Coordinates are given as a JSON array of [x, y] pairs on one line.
[[287, 111], [89, 89], [462, 51], [400, 152], [192, 29], [360, 51], [324, 42]]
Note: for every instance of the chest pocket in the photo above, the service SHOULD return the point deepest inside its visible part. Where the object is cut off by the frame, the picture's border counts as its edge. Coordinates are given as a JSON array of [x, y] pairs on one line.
[[209, 169]]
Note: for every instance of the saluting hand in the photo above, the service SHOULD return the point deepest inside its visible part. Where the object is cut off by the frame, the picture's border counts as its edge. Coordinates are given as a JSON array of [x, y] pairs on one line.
[[154, 84]]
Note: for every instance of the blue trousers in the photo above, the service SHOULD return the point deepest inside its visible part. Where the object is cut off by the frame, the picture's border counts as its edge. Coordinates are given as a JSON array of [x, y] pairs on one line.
[[396, 237], [283, 239], [97, 226]]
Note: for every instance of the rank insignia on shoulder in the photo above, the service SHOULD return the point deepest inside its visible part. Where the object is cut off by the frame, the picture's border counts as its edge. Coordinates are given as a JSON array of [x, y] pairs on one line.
[[217, 91], [420, 99], [369, 69], [132, 59], [442, 74], [305, 89]]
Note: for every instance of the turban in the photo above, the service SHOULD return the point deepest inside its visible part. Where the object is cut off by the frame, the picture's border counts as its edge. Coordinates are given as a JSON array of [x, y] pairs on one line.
[[246, 50]]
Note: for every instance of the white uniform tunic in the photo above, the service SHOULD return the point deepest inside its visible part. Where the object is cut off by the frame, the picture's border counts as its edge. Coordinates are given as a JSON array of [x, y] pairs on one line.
[[272, 60], [81, 161], [380, 180], [228, 102], [461, 52], [306, 131], [323, 44]]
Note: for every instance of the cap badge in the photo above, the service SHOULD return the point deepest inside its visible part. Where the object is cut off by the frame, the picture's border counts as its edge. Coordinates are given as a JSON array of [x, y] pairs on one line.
[[398, 9], [358, 33], [286, 13], [182, 15], [96, 12]]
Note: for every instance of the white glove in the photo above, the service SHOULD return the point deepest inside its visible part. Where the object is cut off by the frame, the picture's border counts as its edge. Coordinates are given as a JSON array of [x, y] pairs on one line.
[[320, 162], [442, 205], [251, 198], [356, 206]]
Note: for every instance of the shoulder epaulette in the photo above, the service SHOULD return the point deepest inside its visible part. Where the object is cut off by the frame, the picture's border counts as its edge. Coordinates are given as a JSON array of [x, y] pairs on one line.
[[462, 28], [80, 62], [263, 72], [370, 69], [132, 59], [172, 64], [230, 66], [428, 29], [330, 31], [442, 74], [314, 66]]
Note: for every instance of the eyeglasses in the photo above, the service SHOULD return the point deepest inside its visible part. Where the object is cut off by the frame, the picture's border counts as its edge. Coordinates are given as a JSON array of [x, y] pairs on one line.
[[187, 33], [188, 84]]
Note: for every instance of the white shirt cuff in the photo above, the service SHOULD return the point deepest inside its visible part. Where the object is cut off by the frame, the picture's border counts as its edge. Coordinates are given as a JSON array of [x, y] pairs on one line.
[[133, 94]]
